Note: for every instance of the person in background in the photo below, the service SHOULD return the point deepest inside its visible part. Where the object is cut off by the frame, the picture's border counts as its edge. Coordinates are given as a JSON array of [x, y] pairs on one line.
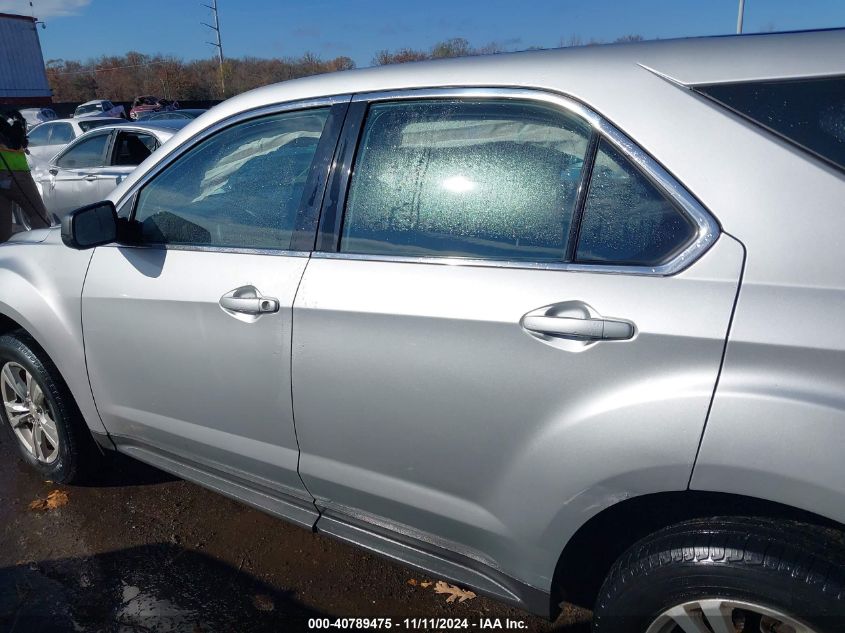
[[16, 184]]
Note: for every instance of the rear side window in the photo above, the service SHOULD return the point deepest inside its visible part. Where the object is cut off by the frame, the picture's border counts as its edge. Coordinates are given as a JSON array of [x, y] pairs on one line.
[[808, 112], [627, 220], [485, 179], [132, 148], [62, 133]]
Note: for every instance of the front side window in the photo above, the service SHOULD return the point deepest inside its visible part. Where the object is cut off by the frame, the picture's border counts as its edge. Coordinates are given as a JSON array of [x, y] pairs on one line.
[[88, 152], [628, 220], [240, 188], [39, 135], [484, 179]]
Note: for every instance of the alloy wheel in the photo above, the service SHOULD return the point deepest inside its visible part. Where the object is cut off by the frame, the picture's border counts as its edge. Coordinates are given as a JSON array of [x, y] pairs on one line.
[[725, 616], [29, 412]]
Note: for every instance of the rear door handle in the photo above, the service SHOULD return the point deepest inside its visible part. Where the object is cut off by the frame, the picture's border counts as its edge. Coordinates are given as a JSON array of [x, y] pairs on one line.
[[247, 300], [580, 329], [90, 177]]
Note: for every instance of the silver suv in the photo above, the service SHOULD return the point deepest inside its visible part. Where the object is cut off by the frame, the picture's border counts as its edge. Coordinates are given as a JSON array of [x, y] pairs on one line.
[[563, 325]]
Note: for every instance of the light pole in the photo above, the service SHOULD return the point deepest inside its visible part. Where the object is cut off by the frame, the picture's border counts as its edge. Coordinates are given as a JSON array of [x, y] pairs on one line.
[[739, 17], [218, 44]]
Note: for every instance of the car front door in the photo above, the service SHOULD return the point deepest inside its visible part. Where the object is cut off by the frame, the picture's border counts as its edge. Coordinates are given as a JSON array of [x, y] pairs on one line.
[[188, 332], [510, 305], [72, 180]]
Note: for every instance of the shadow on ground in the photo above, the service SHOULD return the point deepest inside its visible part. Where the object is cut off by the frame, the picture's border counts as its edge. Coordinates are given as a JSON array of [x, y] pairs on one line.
[[156, 587], [141, 551]]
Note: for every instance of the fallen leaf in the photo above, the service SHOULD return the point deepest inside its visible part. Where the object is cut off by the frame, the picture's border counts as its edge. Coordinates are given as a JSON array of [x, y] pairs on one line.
[[413, 582], [262, 602], [55, 499], [455, 593], [426, 585], [38, 504]]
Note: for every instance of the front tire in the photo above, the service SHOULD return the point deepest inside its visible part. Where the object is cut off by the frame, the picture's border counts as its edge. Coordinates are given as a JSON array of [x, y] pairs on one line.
[[39, 413], [727, 575]]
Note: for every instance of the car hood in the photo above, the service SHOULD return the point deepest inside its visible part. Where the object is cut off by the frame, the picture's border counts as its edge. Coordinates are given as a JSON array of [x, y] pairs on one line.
[[37, 236]]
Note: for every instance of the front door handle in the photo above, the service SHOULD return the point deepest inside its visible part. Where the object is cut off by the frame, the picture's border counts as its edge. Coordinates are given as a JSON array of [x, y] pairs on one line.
[[580, 329], [90, 177], [247, 300]]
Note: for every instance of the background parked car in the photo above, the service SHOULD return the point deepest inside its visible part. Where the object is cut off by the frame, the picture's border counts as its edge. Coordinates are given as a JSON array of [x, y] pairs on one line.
[[99, 107], [48, 139], [91, 166], [35, 116], [147, 104], [173, 114]]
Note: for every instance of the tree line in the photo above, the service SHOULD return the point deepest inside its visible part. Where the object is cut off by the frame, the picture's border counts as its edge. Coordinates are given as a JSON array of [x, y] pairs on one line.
[[124, 77]]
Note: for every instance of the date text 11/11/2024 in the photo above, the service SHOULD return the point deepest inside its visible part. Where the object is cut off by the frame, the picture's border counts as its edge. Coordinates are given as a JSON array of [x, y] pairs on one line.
[[417, 624]]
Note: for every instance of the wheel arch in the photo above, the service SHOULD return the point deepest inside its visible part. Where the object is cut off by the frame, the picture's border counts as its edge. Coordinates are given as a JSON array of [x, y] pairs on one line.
[[9, 325], [591, 551]]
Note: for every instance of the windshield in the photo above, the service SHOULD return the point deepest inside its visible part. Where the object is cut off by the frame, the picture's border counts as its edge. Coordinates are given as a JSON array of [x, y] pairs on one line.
[[87, 109], [90, 125]]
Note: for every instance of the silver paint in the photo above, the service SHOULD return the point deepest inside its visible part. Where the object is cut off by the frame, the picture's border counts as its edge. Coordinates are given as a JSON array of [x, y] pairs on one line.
[[422, 408]]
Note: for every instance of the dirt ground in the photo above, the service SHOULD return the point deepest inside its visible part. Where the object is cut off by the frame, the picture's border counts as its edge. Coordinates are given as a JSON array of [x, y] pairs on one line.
[[142, 551]]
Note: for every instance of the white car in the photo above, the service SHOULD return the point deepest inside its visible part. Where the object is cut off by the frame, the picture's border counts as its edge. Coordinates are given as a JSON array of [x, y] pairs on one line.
[[36, 116], [48, 139], [99, 107]]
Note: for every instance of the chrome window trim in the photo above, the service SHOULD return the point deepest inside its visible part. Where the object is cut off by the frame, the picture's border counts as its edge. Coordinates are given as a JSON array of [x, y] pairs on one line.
[[199, 137], [239, 250], [707, 227], [654, 271], [240, 117]]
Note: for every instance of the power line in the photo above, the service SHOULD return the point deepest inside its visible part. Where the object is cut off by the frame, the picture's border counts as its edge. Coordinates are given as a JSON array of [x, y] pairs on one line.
[[91, 71], [219, 44]]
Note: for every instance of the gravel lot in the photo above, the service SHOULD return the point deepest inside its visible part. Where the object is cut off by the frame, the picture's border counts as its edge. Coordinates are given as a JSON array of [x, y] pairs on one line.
[[142, 551]]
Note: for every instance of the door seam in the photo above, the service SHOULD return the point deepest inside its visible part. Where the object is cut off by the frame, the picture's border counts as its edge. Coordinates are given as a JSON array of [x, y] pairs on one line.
[[292, 407], [722, 359], [85, 347]]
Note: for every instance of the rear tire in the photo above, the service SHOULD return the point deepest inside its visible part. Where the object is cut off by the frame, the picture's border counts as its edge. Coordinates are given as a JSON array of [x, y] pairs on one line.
[[62, 448], [750, 568]]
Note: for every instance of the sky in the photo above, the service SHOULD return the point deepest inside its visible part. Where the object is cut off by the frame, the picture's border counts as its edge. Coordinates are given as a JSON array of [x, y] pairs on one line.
[[84, 29]]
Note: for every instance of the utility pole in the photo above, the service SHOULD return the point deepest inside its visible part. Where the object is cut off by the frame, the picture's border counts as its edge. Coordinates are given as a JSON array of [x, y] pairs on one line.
[[738, 17], [218, 44]]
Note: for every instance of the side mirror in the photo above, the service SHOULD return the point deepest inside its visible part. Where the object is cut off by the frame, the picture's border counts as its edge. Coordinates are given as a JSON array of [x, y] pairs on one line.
[[90, 226]]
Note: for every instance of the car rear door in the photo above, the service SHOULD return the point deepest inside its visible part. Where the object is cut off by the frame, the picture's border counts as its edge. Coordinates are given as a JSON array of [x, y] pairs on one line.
[[188, 332], [514, 317]]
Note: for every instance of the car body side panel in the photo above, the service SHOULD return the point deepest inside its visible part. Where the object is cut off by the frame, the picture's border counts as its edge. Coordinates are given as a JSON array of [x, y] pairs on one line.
[[170, 368], [777, 428], [43, 153], [421, 404], [40, 288]]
